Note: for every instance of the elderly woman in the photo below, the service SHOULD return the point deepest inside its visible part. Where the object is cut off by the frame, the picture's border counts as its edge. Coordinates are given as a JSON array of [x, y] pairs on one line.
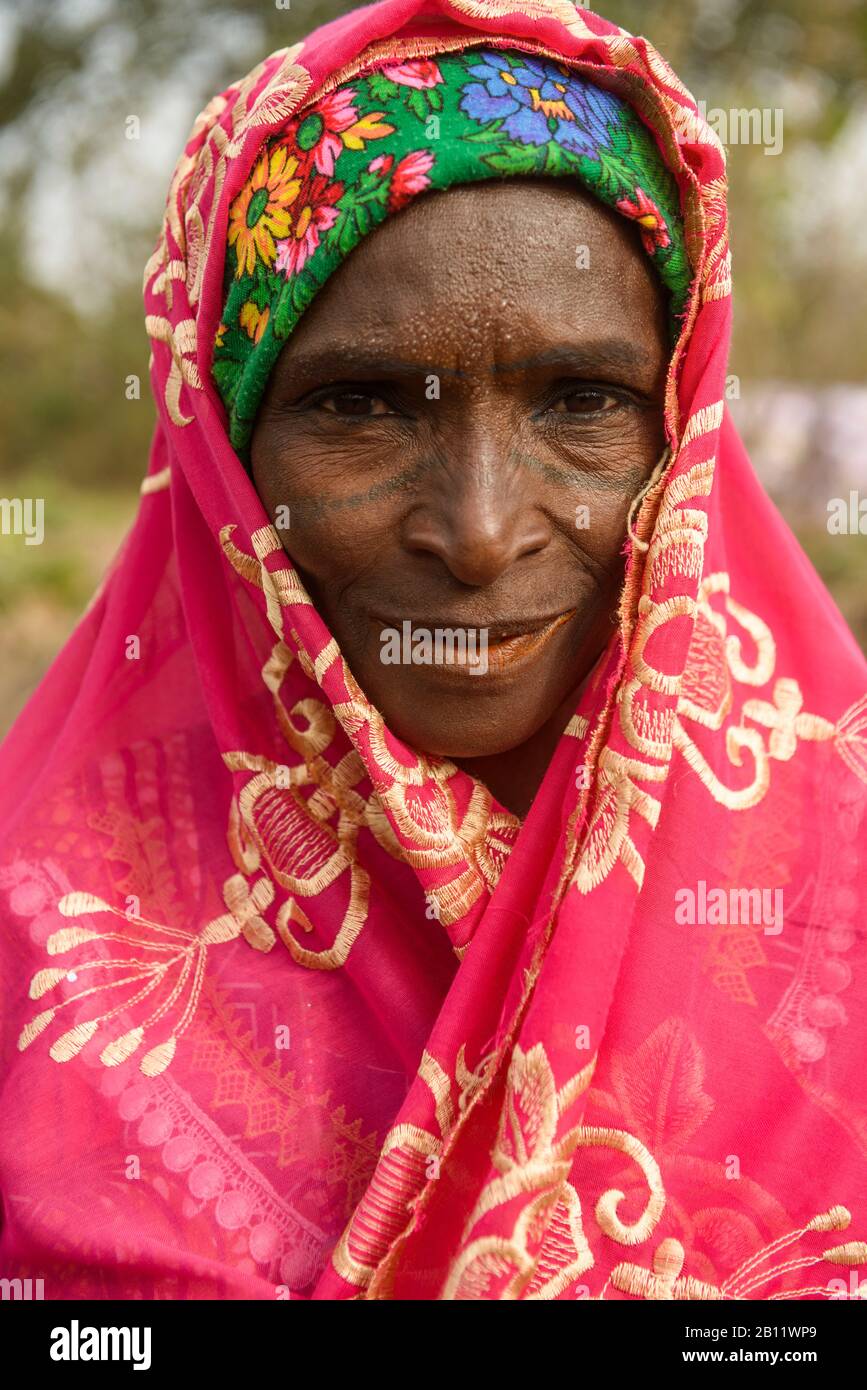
[[432, 868]]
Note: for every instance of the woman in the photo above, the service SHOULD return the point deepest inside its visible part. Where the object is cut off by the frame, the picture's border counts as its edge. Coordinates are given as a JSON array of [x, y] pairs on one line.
[[368, 961]]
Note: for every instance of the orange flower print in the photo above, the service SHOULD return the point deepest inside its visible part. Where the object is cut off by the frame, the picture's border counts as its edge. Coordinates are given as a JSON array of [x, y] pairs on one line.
[[370, 127], [260, 215], [254, 321]]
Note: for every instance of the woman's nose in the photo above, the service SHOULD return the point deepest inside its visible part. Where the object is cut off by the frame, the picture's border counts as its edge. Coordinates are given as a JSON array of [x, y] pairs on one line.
[[479, 516]]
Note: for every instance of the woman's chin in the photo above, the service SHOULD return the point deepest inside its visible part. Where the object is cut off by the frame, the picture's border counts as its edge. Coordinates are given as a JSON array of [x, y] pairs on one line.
[[463, 738], [452, 714]]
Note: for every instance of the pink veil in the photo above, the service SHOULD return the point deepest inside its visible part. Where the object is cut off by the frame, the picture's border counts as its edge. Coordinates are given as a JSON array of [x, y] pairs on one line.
[[292, 1010]]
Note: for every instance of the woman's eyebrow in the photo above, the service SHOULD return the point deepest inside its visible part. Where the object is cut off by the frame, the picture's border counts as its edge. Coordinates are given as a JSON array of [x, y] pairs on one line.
[[588, 357], [349, 361]]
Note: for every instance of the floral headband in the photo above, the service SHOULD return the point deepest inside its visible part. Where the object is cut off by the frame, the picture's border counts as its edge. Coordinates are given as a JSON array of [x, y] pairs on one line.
[[364, 150]]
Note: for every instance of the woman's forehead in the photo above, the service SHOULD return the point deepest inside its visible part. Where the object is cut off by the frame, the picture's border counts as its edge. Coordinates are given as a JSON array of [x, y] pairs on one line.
[[524, 258]]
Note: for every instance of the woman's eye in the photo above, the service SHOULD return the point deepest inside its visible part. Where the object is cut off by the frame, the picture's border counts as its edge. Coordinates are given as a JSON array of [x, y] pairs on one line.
[[360, 404], [586, 402]]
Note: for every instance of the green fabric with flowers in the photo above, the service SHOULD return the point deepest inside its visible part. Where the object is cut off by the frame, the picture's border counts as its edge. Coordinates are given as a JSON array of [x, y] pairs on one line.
[[364, 150]]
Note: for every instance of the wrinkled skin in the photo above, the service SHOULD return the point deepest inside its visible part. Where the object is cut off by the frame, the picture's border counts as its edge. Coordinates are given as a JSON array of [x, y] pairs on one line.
[[459, 510]]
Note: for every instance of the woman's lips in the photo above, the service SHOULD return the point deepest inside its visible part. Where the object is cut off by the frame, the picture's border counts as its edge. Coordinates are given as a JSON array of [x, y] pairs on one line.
[[507, 652], [495, 649]]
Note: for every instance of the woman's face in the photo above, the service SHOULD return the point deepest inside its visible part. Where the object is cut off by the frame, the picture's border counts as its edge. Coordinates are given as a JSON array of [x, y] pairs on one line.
[[458, 426]]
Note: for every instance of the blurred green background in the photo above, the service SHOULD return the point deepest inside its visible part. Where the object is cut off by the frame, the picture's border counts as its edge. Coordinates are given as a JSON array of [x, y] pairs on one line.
[[82, 204]]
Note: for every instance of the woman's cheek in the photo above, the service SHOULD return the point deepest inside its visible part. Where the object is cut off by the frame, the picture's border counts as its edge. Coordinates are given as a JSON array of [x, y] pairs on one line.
[[313, 547], [334, 544]]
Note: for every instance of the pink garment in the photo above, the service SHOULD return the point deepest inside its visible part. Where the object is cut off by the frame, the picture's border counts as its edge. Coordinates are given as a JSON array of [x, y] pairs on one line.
[[292, 1010]]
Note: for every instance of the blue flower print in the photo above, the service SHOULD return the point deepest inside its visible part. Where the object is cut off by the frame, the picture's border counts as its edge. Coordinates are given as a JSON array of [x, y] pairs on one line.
[[537, 103]]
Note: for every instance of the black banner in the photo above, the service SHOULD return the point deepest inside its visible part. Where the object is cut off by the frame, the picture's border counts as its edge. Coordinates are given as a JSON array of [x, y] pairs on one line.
[[59, 1340]]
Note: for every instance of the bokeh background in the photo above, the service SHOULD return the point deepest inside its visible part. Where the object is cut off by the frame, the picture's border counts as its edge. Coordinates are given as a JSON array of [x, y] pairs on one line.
[[82, 204]]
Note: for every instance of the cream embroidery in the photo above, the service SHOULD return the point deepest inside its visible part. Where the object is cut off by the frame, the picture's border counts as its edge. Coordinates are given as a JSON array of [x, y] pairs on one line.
[[411, 810], [198, 181], [148, 959]]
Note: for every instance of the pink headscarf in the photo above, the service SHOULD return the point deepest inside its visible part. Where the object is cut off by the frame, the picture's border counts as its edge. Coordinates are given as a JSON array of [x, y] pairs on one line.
[[293, 1010]]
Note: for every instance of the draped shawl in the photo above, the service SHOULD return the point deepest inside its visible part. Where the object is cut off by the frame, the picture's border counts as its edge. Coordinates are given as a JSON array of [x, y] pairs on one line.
[[293, 1010]]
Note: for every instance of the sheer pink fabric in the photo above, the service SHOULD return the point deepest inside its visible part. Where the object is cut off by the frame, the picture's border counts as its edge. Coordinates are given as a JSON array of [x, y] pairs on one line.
[[291, 1010]]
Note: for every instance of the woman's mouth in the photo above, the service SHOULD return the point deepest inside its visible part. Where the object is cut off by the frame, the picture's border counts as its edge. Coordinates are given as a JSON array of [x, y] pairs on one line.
[[506, 651], [490, 649]]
